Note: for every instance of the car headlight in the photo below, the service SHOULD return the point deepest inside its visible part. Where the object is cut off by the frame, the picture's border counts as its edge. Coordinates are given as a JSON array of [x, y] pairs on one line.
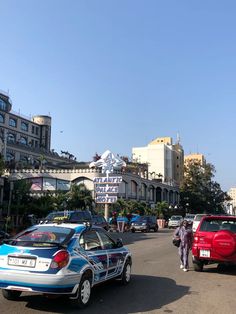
[[132, 224], [143, 224]]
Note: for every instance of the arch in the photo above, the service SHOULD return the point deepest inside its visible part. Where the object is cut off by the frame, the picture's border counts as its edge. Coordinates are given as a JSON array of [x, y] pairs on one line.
[[23, 140], [151, 193], [133, 189], [11, 138], [143, 195], [86, 181], [158, 194]]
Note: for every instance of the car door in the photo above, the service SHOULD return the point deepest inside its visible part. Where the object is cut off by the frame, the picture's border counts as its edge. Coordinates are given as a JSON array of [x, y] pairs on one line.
[[95, 253], [116, 258]]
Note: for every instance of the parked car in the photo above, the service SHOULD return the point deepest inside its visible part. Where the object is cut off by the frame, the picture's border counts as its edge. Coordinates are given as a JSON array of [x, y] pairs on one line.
[[144, 224], [100, 221], [196, 221], [73, 216], [214, 241], [175, 221], [189, 218], [64, 259], [3, 235]]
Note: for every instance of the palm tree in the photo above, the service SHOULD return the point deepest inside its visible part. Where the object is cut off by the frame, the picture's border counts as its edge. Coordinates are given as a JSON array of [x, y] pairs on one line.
[[79, 197]]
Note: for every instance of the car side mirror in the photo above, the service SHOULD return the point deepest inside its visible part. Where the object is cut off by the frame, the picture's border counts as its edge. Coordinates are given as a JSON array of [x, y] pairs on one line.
[[119, 243]]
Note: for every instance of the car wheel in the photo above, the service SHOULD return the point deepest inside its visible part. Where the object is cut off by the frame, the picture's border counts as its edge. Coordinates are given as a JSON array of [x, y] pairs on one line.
[[126, 274], [147, 229], [132, 230], [84, 292], [12, 295], [198, 265], [156, 229]]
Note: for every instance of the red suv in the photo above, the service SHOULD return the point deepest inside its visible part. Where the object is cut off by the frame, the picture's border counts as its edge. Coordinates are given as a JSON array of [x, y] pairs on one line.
[[214, 241]]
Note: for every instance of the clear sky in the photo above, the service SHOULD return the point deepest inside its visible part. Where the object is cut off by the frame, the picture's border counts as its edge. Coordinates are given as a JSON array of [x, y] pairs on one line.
[[115, 74]]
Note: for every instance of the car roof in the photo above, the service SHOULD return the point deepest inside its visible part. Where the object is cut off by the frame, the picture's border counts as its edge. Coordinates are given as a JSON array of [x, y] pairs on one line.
[[219, 217]]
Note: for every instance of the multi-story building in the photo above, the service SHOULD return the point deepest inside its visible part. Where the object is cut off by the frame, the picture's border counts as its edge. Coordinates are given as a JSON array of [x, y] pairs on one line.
[[231, 205], [197, 158], [164, 159], [25, 141]]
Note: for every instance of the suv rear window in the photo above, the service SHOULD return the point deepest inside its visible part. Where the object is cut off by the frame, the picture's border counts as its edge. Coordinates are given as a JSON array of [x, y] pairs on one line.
[[216, 225]]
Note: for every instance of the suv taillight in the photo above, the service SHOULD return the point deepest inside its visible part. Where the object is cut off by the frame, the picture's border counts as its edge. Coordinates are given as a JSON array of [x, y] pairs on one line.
[[196, 239], [60, 260]]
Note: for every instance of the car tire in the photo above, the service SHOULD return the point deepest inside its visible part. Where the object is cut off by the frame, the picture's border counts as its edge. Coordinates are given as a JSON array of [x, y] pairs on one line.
[[198, 265], [84, 292], [126, 273], [12, 295], [147, 229], [156, 229], [132, 230]]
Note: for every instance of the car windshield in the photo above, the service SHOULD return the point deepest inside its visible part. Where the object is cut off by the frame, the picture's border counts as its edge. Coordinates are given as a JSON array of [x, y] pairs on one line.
[[141, 219], [175, 218], [43, 236]]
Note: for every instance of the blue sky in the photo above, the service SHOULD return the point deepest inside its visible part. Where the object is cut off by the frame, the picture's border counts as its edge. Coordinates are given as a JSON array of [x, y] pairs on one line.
[[115, 74]]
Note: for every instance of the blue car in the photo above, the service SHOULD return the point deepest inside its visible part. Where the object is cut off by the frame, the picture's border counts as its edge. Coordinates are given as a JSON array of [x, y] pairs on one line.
[[62, 258]]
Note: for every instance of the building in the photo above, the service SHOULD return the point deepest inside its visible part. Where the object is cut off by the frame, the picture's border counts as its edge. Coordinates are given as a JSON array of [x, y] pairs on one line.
[[26, 142], [231, 205], [195, 158], [164, 159]]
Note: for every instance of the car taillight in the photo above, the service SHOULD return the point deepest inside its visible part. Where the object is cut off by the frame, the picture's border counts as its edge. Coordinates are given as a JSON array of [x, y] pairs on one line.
[[60, 260], [196, 239]]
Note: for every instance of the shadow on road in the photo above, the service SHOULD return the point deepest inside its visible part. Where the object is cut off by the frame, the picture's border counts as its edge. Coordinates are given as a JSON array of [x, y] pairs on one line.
[[144, 293]]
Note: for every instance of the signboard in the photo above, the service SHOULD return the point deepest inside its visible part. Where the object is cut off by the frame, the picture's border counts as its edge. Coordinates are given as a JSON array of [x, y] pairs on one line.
[[107, 187], [107, 180], [105, 199]]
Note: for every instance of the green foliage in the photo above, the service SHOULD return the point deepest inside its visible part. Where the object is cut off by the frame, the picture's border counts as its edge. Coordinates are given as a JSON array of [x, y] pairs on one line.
[[79, 197], [199, 193]]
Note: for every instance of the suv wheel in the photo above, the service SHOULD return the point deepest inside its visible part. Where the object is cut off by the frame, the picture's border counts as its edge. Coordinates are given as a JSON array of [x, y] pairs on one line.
[[198, 265]]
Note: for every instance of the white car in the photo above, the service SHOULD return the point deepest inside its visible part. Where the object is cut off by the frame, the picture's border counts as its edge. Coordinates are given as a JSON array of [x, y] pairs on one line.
[[175, 221], [189, 218], [196, 221]]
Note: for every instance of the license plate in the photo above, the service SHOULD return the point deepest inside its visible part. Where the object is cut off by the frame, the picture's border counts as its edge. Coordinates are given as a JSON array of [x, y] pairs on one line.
[[20, 261], [204, 253]]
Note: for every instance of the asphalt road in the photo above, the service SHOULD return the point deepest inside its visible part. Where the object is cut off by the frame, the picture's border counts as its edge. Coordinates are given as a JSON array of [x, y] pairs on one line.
[[158, 285]]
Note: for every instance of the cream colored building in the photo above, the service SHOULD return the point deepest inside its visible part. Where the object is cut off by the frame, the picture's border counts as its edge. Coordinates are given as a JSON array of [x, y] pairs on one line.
[[164, 159], [232, 203], [198, 158]]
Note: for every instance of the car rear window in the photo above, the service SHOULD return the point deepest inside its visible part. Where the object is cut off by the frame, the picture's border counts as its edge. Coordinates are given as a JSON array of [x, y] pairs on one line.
[[216, 225], [43, 236]]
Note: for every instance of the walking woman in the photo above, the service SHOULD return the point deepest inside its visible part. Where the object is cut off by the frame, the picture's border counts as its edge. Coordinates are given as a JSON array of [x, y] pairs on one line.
[[185, 234]]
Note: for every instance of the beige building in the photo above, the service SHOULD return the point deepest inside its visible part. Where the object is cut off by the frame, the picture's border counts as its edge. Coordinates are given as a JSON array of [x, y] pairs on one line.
[[231, 205], [197, 158], [164, 159]]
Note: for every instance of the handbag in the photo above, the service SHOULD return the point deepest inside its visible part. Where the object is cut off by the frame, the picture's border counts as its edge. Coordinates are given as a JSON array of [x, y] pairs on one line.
[[176, 242]]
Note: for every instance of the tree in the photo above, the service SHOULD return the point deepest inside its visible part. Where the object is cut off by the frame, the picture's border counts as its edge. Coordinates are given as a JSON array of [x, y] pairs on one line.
[[79, 197], [199, 192]]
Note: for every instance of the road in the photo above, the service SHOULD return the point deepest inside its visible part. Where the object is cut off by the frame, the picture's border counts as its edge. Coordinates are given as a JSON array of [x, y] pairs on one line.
[[157, 286]]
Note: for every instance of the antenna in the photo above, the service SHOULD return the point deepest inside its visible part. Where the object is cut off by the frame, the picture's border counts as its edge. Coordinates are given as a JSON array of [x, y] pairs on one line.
[[178, 138]]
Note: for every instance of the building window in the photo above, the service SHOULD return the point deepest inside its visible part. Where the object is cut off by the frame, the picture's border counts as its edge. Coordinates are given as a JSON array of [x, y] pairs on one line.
[[11, 138], [24, 126], [36, 144], [12, 122], [23, 141], [3, 105], [33, 128], [37, 131], [2, 118], [10, 156]]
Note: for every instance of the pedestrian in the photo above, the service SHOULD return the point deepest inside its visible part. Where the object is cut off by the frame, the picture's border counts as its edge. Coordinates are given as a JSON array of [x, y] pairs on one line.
[[185, 234]]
